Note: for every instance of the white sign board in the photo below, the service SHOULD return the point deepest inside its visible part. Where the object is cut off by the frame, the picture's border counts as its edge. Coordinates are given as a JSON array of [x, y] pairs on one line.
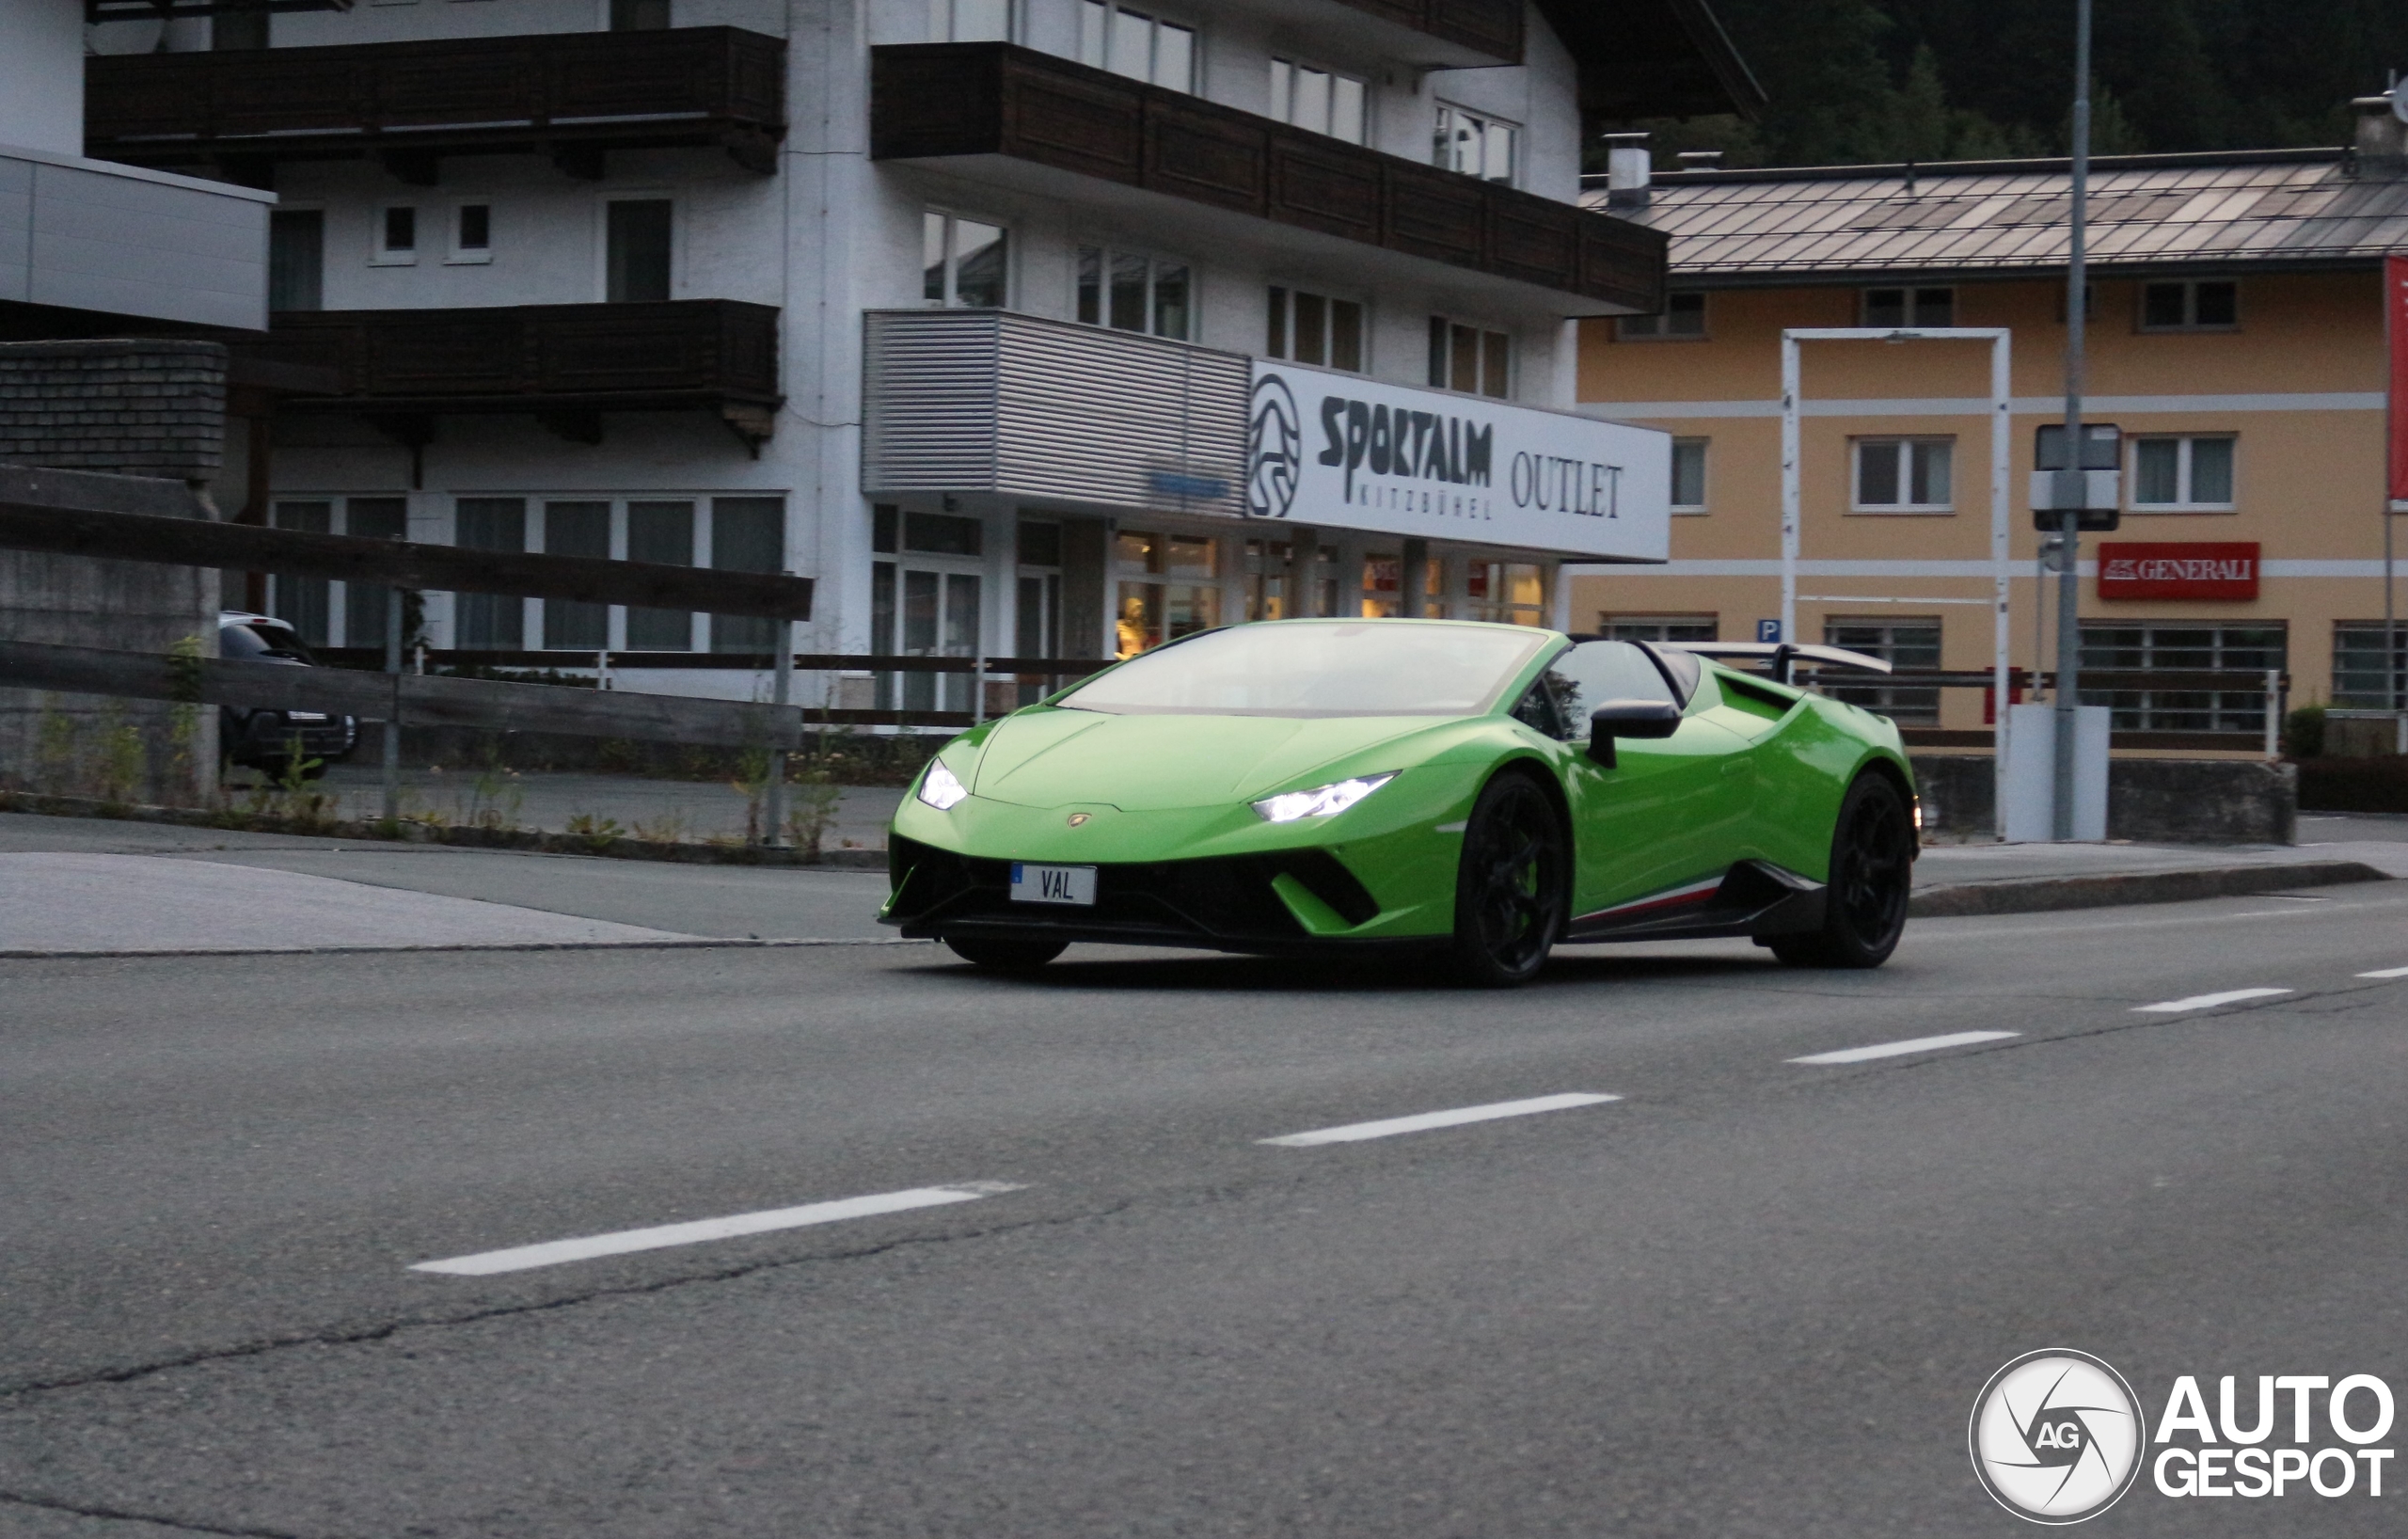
[[1331, 450]]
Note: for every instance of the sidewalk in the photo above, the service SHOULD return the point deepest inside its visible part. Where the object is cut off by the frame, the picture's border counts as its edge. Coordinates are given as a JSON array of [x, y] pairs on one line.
[[673, 811]]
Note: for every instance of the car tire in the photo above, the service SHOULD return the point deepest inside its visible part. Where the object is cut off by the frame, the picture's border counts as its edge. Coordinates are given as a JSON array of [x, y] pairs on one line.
[[1512, 884], [1000, 956], [1864, 910]]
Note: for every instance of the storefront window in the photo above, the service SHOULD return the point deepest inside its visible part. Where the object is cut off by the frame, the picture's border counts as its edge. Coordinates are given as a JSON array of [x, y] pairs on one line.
[[1512, 593], [2172, 646], [1186, 599], [1266, 579]]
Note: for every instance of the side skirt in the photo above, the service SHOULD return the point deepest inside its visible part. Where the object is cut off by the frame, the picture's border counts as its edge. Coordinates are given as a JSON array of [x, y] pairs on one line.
[[1754, 898]]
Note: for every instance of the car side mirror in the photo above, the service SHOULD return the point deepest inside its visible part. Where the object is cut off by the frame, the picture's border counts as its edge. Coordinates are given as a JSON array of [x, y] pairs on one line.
[[1629, 719]]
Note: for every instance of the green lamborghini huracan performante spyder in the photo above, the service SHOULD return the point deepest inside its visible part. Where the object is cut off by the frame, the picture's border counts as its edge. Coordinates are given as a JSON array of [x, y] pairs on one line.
[[1446, 791]]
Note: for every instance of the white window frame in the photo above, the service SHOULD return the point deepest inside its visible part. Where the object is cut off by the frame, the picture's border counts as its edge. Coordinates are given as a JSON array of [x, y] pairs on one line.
[[1704, 446], [456, 254], [1485, 334], [952, 220], [2185, 501], [1098, 20], [1288, 291], [2189, 322], [1285, 70], [1447, 134], [1907, 442], [945, 21], [1156, 261], [602, 233], [1656, 328], [382, 255]]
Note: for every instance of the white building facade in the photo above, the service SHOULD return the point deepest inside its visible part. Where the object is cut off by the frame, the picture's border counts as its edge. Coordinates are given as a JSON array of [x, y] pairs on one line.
[[962, 308]]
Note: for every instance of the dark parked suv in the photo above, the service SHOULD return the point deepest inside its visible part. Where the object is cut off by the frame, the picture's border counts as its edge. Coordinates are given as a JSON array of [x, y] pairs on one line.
[[263, 740]]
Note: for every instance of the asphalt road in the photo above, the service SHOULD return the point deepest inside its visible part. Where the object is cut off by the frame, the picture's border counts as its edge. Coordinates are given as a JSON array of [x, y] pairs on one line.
[[1750, 1296]]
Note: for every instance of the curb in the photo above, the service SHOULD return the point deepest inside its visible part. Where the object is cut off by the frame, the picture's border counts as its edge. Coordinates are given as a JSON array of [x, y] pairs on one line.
[[2035, 895], [369, 831]]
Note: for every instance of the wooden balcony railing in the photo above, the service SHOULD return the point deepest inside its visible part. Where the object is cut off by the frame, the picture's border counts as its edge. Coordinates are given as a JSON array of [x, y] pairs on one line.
[[932, 100], [1492, 28], [565, 362], [573, 95]]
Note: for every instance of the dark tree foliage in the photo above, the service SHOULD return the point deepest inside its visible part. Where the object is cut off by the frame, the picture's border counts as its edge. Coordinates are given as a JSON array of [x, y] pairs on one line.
[[1858, 81]]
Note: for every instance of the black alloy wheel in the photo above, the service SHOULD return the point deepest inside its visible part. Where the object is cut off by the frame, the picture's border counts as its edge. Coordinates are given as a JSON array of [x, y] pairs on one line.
[[1511, 888], [1872, 853], [997, 955]]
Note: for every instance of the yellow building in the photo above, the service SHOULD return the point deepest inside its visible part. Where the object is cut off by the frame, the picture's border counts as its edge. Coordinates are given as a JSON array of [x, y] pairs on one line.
[[2235, 336]]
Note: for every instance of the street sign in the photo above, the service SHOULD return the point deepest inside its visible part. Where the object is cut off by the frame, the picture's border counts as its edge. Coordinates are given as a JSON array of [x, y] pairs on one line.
[[2094, 488], [2210, 570], [1768, 631]]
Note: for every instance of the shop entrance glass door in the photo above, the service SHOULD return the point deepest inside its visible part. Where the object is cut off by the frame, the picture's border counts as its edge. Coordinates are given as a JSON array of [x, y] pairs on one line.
[[939, 619]]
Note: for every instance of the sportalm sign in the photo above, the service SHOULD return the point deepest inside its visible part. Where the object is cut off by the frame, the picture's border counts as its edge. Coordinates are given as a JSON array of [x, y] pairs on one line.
[[1340, 452]]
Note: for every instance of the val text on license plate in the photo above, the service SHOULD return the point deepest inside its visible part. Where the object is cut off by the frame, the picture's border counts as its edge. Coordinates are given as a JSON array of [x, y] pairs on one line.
[[1054, 884]]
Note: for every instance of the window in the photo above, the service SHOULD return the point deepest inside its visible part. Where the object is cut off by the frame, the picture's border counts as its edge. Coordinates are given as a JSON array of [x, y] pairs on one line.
[[637, 243], [1689, 475], [1038, 616], [1137, 44], [1315, 328], [1581, 680], [1509, 592], [1170, 587], [2363, 677], [326, 613], [396, 238], [577, 529], [640, 15], [2149, 646], [1266, 580], [494, 621], [1916, 308], [1468, 359], [2182, 474], [364, 603], [963, 263], [1901, 643], [1903, 475], [970, 21], [303, 603], [1684, 316], [747, 534], [925, 605], [1659, 627], [471, 232], [1475, 144], [663, 531], [1129, 290], [2200, 306], [297, 260], [1321, 99]]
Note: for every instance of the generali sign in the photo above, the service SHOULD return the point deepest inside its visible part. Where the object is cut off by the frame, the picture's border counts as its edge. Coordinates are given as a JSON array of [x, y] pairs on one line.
[[2224, 569], [1334, 450]]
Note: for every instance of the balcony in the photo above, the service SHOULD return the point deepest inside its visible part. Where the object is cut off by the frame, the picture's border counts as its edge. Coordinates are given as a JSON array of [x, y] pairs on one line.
[[1484, 31], [574, 96], [564, 364], [989, 107]]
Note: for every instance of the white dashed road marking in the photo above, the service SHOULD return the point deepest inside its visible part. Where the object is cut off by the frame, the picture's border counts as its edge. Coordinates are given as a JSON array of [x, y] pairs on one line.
[[2209, 1002], [1426, 1120], [2388, 973], [1918, 1044], [553, 1253]]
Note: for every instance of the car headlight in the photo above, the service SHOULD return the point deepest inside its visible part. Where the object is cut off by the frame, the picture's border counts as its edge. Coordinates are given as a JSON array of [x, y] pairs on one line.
[[940, 789], [1321, 800]]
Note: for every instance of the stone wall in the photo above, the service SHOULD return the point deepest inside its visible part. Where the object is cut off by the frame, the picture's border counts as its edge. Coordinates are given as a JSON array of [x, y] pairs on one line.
[[2154, 800], [151, 413]]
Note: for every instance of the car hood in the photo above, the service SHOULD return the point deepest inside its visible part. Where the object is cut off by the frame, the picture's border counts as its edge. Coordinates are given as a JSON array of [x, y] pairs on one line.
[[1054, 758]]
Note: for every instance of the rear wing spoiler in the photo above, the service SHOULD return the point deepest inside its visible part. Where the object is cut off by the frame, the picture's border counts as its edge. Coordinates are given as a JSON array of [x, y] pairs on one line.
[[1780, 657]]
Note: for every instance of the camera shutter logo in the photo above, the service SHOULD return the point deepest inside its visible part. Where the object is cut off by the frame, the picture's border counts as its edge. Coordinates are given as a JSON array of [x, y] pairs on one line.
[[1274, 449], [2057, 1436]]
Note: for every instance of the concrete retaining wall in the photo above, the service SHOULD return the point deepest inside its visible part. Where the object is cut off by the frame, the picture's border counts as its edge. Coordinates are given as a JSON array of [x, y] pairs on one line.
[[2157, 801], [153, 411]]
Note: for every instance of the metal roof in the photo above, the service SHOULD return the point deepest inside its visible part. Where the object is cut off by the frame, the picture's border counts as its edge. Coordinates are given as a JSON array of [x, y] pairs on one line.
[[2242, 211]]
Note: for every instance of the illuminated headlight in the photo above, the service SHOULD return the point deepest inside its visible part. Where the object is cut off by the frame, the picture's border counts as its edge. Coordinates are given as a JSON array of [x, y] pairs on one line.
[[939, 788], [1320, 801]]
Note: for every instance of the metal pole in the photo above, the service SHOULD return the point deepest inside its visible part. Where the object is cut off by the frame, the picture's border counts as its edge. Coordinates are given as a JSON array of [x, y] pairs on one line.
[[2001, 568], [1789, 487], [394, 717], [2274, 714], [781, 694], [2077, 316]]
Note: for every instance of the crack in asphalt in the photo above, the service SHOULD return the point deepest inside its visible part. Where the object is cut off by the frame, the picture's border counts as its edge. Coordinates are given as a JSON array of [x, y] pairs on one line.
[[120, 1514], [389, 1330]]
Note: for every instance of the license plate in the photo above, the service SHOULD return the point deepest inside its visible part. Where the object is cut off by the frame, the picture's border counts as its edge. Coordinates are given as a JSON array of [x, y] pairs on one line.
[[1073, 885]]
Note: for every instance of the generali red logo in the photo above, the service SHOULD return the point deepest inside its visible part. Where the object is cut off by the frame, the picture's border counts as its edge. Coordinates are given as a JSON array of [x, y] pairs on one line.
[[2220, 569]]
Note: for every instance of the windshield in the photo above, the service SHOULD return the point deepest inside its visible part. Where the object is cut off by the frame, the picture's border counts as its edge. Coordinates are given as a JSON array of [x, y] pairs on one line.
[[1308, 668]]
